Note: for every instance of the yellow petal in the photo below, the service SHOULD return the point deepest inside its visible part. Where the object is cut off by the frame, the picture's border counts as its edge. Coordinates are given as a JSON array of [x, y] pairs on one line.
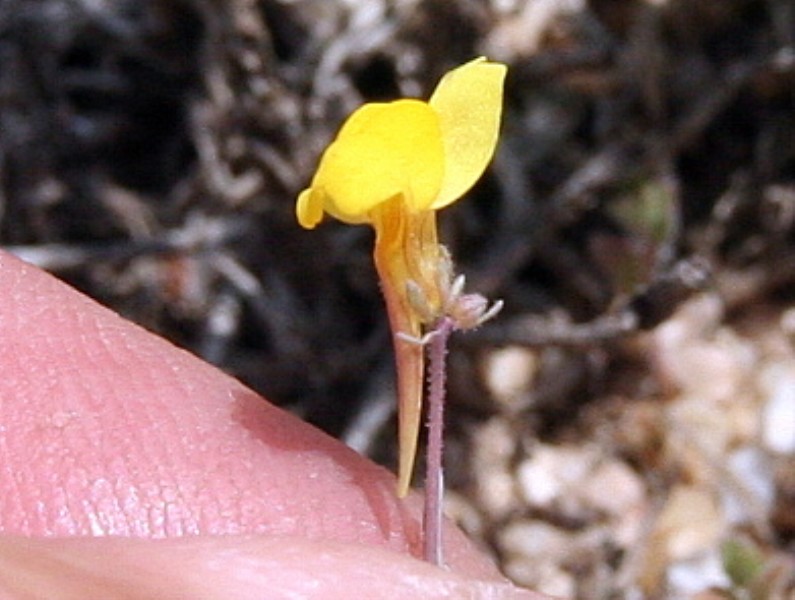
[[309, 208], [381, 151], [468, 101]]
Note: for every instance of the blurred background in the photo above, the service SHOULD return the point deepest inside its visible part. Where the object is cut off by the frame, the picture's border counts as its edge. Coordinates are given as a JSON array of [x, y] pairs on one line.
[[626, 427]]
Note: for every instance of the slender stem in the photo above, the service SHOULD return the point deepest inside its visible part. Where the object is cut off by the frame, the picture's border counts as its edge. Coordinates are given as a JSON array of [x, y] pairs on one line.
[[434, 475]]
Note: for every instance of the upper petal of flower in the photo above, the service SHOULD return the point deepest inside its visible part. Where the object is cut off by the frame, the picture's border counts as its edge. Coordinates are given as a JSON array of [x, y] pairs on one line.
[[382, 150], [468, 101]]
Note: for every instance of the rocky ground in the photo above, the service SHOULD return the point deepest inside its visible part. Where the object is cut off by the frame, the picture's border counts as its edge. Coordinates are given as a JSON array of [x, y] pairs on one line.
[[626, 428]]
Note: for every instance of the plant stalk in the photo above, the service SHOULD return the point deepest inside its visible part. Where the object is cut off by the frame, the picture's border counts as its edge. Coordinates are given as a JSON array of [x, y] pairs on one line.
[[434, 474]]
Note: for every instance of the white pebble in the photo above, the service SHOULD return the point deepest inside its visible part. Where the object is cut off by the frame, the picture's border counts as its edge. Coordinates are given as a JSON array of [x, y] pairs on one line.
[[778, 416]]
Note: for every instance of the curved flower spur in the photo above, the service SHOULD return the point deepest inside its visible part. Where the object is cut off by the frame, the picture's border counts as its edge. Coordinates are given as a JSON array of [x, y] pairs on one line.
[[393, 165]]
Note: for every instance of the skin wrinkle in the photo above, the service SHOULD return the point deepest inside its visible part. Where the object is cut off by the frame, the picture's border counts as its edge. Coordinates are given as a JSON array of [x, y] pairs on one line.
[[125, 495], [10, 484], [74, 519], [91, 517], [61, 429], [108, 509], [130, 505], [162, 489], [84, 482], [164, 520], [73, 481]]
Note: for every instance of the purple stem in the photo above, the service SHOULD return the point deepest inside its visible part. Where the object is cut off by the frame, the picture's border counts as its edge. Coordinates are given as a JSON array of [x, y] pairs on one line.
[[434, 475]]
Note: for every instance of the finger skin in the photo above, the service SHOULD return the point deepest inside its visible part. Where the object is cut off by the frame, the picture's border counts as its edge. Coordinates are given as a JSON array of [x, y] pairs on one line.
[[239, 567], [108, 430]]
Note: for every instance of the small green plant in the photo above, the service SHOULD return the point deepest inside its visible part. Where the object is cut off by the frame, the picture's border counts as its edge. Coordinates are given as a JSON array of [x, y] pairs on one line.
[[754, 576]]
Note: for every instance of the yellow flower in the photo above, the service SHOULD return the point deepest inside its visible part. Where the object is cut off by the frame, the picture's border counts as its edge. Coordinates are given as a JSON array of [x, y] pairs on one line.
[[393, 165]]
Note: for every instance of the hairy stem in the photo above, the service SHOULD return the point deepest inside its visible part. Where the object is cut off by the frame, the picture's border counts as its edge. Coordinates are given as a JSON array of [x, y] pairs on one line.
[[434, 475]]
